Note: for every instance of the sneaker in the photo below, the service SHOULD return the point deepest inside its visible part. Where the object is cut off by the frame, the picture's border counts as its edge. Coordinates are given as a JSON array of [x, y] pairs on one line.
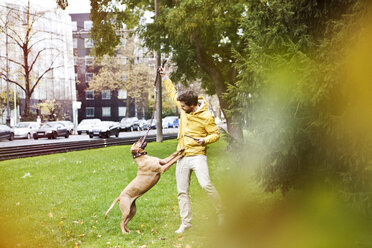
[[182, 228]]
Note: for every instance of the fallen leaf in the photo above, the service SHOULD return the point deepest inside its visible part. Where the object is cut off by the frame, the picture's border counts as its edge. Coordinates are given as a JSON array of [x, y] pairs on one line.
[[138, 231], [188, 246], [143, 246], [142, 226], [180, 238], [82, 235], [177, 245], [99, 236], [50, 215], [18, 203]]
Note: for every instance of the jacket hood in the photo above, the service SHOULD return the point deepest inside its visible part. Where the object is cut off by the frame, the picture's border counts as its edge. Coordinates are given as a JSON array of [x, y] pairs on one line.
[[202, 105]]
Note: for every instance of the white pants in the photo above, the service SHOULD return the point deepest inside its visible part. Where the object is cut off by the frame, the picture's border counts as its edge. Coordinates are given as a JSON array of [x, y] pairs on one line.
[[199, 165]]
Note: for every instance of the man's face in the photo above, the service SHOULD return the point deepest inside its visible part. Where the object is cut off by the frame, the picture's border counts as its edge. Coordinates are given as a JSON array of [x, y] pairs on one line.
[[188, 109]]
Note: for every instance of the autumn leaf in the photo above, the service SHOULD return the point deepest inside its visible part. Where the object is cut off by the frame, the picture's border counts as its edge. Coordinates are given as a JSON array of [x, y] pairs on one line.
[[50, 215]]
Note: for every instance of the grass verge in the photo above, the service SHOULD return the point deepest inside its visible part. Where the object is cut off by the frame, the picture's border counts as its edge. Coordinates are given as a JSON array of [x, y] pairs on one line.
[[60, 200]]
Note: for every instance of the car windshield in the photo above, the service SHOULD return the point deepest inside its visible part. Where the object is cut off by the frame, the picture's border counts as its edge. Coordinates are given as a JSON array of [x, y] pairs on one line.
[[104, 124], [86, 121], [127, 120], [22, 125], [50, 124]]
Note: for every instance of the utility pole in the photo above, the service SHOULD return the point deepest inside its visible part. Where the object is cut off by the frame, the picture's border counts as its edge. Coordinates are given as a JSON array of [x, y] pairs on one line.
[[159, 125], [7, 72]]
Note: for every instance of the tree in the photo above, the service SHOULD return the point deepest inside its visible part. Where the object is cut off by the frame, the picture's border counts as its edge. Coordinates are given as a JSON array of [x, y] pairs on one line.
[[121, 71], [305, 69], [51, 110], [28, 41], [3, 97], [200, 36]]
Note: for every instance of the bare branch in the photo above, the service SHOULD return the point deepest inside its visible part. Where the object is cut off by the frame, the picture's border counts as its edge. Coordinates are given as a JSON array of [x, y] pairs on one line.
[[13, 61], [37, 56], [11, 81]]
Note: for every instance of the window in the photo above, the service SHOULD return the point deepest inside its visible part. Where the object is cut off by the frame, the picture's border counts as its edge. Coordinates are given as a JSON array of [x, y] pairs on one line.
[[88, 43], [122, 111], [88, 77], [122, 94], [74, 26], [74, 40], [89, 112], [89, 94], [106, 111], [106, 94], [88, 60], [88, 25]]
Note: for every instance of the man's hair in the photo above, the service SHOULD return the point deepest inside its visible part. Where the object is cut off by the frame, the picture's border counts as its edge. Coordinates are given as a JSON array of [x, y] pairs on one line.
[[189, 98]]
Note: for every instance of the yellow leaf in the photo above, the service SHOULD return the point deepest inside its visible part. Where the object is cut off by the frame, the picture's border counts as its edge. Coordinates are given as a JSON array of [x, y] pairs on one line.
[[82, 235], [50, 215]]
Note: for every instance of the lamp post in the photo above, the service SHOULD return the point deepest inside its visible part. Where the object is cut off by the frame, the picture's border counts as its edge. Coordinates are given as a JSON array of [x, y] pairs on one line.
[[7, 72], [159, 125]]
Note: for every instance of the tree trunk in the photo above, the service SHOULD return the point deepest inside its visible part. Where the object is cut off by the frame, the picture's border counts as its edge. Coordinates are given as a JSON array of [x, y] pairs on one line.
[[26, 112], [128, 104], [207, 64]]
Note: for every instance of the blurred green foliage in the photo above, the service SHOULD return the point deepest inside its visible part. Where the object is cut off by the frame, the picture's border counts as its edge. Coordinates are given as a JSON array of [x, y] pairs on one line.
[[293, 74], [305, 66]]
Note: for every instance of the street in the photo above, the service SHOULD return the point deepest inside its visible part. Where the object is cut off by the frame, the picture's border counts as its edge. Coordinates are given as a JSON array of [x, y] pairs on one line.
[[25, 142]]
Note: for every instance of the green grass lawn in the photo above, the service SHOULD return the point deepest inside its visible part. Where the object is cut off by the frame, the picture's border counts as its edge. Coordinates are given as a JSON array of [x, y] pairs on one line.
[[63, 201]]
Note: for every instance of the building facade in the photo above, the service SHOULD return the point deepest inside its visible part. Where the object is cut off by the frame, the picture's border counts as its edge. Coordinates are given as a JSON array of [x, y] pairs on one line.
[[51, 48]]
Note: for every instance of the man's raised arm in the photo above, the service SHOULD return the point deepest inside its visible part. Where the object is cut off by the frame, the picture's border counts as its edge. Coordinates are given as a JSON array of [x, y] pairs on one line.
[[172, 92]]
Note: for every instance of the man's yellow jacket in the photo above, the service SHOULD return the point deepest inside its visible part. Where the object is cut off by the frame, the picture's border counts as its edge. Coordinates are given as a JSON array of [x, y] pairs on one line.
[[198, 124]]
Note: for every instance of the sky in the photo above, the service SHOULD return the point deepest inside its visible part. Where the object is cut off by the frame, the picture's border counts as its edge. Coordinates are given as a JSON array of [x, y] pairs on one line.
[[77, 6], [74, 6]]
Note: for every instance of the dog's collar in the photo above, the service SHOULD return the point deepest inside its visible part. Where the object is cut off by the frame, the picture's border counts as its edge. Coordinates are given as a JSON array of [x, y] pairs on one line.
[[137, 155]]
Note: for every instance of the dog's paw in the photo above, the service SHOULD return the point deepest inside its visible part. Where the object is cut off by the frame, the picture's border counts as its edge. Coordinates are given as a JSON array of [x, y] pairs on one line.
[[181, 151]]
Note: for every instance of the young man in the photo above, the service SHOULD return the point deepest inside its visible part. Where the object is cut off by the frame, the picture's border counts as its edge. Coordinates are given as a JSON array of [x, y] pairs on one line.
[[197, 129]]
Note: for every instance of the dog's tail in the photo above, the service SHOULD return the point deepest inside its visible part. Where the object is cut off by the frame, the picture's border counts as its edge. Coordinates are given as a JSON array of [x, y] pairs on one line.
[[112, 205]]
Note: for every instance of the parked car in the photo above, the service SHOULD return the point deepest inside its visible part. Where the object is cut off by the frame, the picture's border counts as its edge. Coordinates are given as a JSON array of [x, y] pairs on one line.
[[143, 125], [6, 132], [86, 125], [153, 124], [25, 129], [168, 121], [129, 124], [69, 125], [176, 123], [105, 129], [52, 130]]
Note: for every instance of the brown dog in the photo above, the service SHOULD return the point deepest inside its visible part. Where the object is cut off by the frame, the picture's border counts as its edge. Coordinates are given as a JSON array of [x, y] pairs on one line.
[[149, 171]]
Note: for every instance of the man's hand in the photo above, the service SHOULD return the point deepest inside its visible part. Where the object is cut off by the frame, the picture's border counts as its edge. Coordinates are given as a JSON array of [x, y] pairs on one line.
[[162, 71], [200, 141]]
